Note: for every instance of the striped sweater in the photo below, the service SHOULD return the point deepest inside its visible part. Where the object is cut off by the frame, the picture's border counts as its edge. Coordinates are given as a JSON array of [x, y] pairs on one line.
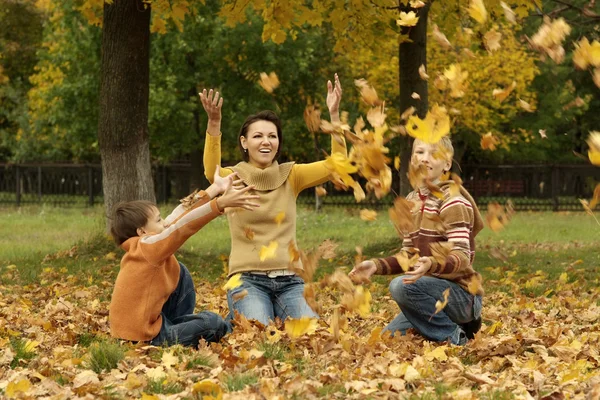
[[453, 222]]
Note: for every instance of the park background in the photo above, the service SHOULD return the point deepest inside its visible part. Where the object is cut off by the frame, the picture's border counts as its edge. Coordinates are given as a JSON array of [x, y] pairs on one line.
[[540, 334]]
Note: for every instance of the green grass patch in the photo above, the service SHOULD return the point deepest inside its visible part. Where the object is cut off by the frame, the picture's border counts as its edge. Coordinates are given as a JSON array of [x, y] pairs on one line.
[[105, 355], [162, 386], [23, 352], [200, 361], [273, 351], [240, 381]]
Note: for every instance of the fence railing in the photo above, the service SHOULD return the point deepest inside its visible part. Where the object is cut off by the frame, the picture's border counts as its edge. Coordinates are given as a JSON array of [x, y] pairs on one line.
[[530, 187]]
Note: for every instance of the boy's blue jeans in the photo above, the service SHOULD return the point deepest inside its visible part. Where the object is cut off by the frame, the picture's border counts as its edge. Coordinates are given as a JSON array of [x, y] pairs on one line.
[[268, 298], [179, 323], [417, 303]]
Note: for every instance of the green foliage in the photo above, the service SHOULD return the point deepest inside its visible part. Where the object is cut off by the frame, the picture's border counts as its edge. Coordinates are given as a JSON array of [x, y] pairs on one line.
[[239, 381], [273, 351], [23, 351], [105, 355], [162, 386]]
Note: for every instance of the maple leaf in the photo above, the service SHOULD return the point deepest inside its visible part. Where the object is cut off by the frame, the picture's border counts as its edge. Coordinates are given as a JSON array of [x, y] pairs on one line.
[[456, 80], [440, 305], [593, 142], [327, 249], [509, 14], [233, 282], [492, 40], [435, 126], [249, 233], [586, 54], [407, 19], [273, 334], [525, 106], [502, 94], [438, 353], [168, 359], [440, 38], [321, 191], [489, 142], [477, 11], [299, 327], [376, 116], [15, 389], [208, 389], [268, 82], [368, 215], [341, 165], [269, 251], [368, 93], [423, 72], [405, 260], [312, 117], [279, 218]]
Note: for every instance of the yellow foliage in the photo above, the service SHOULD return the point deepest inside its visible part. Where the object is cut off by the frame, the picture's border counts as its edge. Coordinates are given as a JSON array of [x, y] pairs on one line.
[[269, 251], [298, 327], [435, 126], [233, 282]]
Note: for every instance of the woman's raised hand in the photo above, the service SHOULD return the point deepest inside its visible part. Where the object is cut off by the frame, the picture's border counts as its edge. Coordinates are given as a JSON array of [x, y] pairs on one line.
[[212, 104], [334, 96]]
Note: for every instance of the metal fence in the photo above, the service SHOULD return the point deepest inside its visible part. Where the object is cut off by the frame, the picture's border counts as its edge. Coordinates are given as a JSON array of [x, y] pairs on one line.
[[530, 187]]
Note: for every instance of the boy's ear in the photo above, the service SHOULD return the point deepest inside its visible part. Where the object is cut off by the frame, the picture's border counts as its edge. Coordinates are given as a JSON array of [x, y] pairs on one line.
[[140, 231]]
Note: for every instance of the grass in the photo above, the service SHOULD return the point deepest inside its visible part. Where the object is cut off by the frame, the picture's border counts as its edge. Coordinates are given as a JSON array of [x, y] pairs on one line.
[[35, 244], [240, 381], [23, 352], [162, 386], [105, 355]]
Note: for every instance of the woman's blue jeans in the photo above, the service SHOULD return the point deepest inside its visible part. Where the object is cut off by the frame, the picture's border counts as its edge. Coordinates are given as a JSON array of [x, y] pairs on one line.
[[417, 303], [269, 298], [179, 323]]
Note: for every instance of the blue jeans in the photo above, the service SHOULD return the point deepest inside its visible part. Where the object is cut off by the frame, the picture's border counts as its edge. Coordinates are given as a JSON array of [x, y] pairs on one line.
[[179, 323], [268, 298], [417, 303]]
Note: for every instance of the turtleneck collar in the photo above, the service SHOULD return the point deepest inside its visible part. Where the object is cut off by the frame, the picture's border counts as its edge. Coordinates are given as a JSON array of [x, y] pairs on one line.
[[269, 178]]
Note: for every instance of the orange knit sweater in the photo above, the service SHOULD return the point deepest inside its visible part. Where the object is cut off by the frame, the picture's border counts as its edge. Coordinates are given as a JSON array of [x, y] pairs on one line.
[[150, 272]]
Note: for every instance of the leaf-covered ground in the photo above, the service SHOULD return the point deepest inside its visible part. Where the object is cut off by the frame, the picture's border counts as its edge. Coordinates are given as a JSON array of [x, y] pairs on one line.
[[540, 339]]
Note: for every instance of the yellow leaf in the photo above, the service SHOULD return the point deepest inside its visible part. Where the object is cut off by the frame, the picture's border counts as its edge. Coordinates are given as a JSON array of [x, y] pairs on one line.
[[267, 252], [293, 251], [423, 72], [595, 197], [368, 215], [169, 359], [411, 374], [30, 345], [269, 82], [110, 256], [279, 218], [489, 142], [495, 326], [502, 94], [298, 327], [407, 19], [233, 282], [477, 11], [397, 163], [563, 277], [439, 37], [439, 353], [273, 334], [312, 117], [146, 396], [474, 285], [368, 93], [14, 388], [525, 106], [509, 14], [492, 40], [439, 305], [435, 126], [594, 152], [208, 388], [321, 191]]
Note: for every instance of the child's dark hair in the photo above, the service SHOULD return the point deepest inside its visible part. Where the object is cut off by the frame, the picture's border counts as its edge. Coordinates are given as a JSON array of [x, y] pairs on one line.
[[127, 217], [266, 115]]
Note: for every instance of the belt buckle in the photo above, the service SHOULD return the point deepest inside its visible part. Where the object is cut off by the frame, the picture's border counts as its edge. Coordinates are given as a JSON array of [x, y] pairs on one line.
[[279, 272]]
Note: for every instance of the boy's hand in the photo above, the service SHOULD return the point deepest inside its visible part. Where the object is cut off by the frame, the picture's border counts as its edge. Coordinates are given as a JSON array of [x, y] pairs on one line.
[[334, 96], [212, 105], [361, 273], [422, 266], [240, 198]]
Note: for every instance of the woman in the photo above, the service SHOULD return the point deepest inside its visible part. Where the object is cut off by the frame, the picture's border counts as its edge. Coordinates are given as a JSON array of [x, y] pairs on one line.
[[261, 240]]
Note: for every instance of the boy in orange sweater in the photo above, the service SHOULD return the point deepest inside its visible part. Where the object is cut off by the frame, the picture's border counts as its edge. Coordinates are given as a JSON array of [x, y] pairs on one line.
[[154, 297]]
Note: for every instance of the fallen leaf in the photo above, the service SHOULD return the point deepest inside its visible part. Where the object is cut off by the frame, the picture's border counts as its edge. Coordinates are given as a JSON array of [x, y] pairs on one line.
[[269, 251], [299, 327]]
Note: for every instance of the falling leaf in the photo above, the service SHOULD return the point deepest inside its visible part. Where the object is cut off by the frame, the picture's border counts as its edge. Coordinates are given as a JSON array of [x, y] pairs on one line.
[[509, 14], [268, 82], [397, 163], [239, 295], [368, 215], [593, 142], [489, 142], [416, 3], [474, 287], [477, 11], [595, 197], [525, 106], [367, 92], [279, 218], [596, 77], [249, 233], [299, 327], [440, 305], [407, 19], [321, 191], [406, 260], [542, 133], [293, 251], [407, 113], [415, 96], [456, 80], [496, 217], [502, 94], [586, 54], [423, 72], [376, 116], [312, 117], [269, 251], [440, 38], [327, 249], [233, 282], [440, 251], [548, 39], [492, 40], [435, 126]]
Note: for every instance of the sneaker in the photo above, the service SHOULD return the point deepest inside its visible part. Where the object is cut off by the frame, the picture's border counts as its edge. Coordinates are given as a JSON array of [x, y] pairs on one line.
[[471, 328]]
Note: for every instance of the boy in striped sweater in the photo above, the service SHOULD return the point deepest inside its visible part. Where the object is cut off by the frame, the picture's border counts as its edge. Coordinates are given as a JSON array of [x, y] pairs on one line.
[[442, 241], [154, 297]]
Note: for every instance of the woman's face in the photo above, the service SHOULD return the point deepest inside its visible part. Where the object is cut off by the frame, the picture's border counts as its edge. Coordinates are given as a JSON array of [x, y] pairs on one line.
[[261, 143]]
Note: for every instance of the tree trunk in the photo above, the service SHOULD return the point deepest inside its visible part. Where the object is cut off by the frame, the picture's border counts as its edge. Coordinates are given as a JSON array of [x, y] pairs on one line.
[[412, 55], [124, 91]]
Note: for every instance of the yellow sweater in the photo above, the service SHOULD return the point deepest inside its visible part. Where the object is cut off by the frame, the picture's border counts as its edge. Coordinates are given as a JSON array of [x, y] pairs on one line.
[[275, 220], [150, 273]]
